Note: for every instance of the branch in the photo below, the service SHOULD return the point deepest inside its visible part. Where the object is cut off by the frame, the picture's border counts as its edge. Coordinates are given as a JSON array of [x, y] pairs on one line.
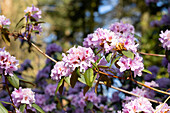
[[157, 90], [149, 54], [40, 50], [122, 90]]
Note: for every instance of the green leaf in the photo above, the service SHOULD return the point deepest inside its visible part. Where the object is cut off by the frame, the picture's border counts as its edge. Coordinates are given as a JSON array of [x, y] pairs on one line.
[[82, 79], [128, 54], [108, 57], [147, 71], [113, 61], [74, 78], [95, 77], [89, 75], [37, 108], [9, 104], [89, 105], [26, 81], [22, 107], [61, 88], [3, 109], [19, 21], [5, 36], [59, 84], [101, 66], [13, 80], [67, 79], [86, 88]]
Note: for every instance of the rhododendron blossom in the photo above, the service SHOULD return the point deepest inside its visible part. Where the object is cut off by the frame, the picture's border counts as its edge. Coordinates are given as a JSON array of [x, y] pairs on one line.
[[165, 39], [80, 57], [59, 70], [4, 21], [23, 96], [138, 105], [119, 37], [34, 12], [135, 65], [8, 63]]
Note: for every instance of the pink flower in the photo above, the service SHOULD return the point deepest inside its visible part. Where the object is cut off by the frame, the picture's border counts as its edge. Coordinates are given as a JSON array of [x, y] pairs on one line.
[[165, 39], [164, 109], [35, 12], [135, 65], [122, 28], [8, 63], [23, 96], [138, 105], [60, 70], [4, 21], [80, 57], [119, 37]]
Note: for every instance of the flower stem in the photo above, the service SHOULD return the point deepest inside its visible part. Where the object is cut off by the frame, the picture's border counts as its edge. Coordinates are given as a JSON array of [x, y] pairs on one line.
[[7, 87]]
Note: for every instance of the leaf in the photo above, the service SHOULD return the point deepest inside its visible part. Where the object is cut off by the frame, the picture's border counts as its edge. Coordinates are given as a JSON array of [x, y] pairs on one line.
[[22, 107], [13, 80], [82, 79], [37, 108], [67, 79], [58, 86], [26, 81], [19, 21], [108, 57], [89, 105], [101, 66], [95, 66], [86, 88], [3, 109], [88, 75], [74, 78], [5, 36], [113, 61], [9, 104], [128, 54], [147, 71], [61, 88]]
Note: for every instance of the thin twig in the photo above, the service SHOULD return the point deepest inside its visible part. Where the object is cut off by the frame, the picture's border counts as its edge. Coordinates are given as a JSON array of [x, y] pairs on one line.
[[40, 51], [157, 90], [149, 54], [7, 87], [122, 90]]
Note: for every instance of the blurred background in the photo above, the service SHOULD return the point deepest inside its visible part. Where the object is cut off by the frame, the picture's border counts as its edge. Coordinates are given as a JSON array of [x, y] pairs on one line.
[[67, 23]]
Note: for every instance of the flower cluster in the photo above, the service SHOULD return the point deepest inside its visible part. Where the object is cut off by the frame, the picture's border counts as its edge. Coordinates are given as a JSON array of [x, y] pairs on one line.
[[8, 63], [79, 57], [33, 14], [135, 64], [119, 37], [23, 96], [165, 39], [138, 105], [60, 70], [4, 21]]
